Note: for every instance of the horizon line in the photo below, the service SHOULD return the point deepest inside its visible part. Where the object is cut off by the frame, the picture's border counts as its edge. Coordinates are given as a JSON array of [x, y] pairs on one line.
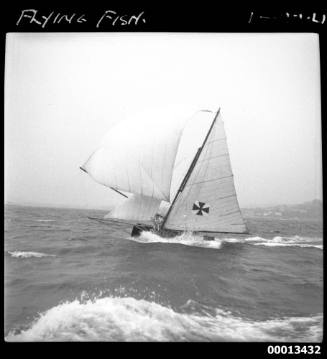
[[48, 205]]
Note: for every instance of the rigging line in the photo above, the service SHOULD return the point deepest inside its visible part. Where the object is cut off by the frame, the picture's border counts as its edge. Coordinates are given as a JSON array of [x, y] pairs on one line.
[[116, 190]]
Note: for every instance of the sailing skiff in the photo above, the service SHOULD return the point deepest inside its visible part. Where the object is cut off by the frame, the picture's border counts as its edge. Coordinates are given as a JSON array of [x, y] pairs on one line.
[[140, 168]]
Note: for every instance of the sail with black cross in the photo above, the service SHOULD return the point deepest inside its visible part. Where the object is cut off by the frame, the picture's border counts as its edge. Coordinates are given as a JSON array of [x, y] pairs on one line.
[[206, 200]]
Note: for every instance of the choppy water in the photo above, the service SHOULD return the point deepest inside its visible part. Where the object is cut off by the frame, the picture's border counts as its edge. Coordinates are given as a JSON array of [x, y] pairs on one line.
[[69, 278]]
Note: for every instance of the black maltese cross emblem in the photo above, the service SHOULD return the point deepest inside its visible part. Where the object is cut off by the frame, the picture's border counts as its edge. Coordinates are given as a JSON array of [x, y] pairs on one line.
[[200, 208]]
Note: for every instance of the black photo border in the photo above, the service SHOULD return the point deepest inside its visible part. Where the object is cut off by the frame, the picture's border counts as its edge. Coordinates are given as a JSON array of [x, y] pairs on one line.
[[164, 17]]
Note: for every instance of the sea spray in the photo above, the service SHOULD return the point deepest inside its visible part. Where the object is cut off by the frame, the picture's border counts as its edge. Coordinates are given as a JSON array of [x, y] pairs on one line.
[[129, 319], [189, 239], [186, 239]]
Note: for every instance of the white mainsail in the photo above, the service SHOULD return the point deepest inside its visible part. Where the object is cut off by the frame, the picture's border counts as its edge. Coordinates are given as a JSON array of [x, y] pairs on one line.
[[137, 157], [208, 200], [135, 208]]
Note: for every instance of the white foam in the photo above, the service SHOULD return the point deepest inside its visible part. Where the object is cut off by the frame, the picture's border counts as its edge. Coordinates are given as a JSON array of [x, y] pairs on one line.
[[294, 241], [23, 254], [274, 244], [45, 220], [129, 319], [188, 239]]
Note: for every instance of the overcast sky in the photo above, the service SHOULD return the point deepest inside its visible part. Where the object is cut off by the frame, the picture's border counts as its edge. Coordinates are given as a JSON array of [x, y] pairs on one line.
[[63, 92]]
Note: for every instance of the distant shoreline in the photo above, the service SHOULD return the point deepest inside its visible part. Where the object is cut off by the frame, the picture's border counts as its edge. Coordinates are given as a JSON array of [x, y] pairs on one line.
[[54, 206], [311, 210]]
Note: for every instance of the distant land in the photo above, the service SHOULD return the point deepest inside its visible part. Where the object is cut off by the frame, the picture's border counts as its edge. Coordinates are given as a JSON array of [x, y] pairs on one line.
[[48, 205], [312, 210]]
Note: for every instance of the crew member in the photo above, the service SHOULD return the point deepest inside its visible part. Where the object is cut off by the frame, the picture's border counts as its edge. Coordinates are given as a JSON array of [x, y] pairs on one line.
[[158, 219]]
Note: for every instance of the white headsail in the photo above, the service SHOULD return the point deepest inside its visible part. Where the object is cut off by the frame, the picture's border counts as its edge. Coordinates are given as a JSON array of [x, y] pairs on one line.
[[208, 201], [135, 208], [137, 157]]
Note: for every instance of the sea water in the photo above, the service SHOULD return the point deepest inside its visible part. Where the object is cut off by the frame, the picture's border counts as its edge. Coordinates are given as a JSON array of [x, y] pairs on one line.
[[68, 278]]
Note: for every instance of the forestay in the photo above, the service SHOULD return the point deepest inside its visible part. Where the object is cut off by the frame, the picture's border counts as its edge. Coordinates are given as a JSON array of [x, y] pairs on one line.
[[208, 200], [137, 157]]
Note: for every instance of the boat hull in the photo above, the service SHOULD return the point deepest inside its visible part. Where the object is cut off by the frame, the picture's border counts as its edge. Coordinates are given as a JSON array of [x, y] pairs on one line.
[[139, 228]]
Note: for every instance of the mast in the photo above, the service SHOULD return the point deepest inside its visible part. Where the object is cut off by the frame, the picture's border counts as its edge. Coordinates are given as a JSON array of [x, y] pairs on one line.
[[188, 173]]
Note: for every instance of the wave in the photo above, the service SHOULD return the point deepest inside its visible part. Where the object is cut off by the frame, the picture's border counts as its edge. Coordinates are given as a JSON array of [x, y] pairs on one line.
[[295, 241], [129, 319], [24, 254], [189, 239], [274, 244], [45, 220]]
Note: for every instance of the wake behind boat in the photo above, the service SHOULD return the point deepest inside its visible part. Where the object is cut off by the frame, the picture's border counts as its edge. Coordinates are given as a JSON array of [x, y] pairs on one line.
[[141, 167]]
